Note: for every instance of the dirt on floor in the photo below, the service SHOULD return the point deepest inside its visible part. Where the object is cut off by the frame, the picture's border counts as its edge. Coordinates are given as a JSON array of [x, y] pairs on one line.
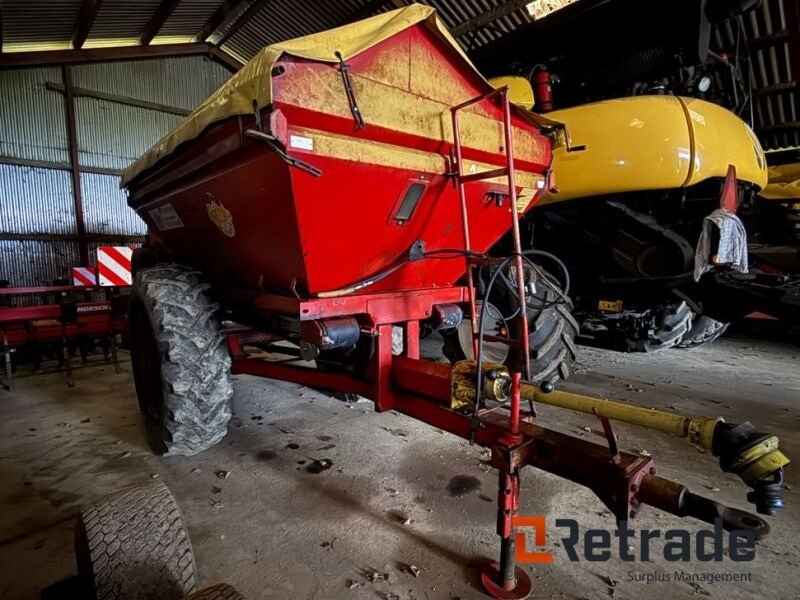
[[325, 499]]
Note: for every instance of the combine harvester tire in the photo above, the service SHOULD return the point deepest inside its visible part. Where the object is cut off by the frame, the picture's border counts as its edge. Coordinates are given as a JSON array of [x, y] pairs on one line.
[[665, 329], [704, 330]]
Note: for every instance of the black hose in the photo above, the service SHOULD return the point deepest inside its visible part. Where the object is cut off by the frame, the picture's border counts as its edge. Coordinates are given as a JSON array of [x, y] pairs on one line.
[[544, 278], [559, 263], [479, 357], [454, 252]]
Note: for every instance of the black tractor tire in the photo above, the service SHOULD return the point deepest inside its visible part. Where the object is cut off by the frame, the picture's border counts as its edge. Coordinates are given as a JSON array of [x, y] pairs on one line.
[[704, 330], [551, 334], [133, 546], [180, 361], [221, 591], [665, 329]]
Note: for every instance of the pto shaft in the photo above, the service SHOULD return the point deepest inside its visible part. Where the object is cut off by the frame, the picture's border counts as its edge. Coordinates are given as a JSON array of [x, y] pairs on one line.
[[752, 455], [699, 430]]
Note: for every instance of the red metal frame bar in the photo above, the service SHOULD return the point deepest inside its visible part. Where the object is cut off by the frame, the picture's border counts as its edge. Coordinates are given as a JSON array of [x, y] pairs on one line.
[[19, 291], [334, 381], [384, 307], [421, 390], [51, 330], [16, 314]]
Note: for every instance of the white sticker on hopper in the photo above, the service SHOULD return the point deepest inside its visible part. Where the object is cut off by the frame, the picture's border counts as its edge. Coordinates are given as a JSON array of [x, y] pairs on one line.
[[300, 142], [165, 218]]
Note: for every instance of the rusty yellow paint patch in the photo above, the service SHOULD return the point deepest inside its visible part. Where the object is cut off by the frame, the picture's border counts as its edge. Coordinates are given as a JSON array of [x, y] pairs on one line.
[[524, 198], [391, 108], [388, 155], [253, 83]]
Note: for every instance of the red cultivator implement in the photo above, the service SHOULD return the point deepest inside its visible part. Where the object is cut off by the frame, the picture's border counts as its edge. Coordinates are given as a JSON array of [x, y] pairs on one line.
[[63, 326], [335, 192]]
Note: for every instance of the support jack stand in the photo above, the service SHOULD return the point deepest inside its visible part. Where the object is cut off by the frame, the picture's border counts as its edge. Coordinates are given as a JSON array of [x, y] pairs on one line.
[[517, 588], [505, 580]]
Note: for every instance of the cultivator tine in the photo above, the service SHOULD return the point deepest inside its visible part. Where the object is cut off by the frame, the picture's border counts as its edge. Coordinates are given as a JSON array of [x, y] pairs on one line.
[[9, 366], [65, 357], [114, 356]]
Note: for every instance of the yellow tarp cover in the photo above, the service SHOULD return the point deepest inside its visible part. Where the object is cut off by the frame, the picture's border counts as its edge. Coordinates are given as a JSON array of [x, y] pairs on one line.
[[254, 81], [783, 183]]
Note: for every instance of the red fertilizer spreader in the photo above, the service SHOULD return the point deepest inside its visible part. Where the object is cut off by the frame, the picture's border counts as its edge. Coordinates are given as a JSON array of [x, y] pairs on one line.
[[340, 191]]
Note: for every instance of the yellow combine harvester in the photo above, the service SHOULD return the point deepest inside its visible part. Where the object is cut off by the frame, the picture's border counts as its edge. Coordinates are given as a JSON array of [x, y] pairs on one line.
[[635, 180]]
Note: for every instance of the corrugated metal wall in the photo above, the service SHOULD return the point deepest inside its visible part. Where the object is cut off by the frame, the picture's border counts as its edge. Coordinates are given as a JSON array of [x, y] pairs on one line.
[[32, 117], [35, 263], [38, 262], [105, 208], [34, 200], [112, 136], [36, 194], [183, 82]]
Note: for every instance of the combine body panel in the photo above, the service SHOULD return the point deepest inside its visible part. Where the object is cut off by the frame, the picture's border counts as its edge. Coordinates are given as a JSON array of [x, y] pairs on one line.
[[652, 143], [784, 183], [230, 205]]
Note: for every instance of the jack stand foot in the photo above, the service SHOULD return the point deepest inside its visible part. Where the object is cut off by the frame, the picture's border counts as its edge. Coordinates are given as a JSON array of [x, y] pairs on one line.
[[490, 575]]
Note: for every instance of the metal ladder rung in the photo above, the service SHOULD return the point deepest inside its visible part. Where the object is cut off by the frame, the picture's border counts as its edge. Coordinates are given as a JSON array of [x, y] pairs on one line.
[[484, 175], [503, 340], [509, 172]]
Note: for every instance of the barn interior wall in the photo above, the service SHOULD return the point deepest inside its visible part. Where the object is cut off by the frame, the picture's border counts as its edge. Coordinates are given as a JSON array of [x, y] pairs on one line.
[[140, 101]]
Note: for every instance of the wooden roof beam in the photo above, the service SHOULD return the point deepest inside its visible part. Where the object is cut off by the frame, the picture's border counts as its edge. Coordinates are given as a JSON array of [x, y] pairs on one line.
[[241, 21], [157, 21], [219, 17], [12, 60], [86, 17]]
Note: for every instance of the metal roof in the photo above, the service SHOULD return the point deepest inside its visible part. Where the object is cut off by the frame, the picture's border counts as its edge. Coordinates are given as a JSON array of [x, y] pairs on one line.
[[771, 39], [245, 26], [38, 24], [769, 34], [280, 20]]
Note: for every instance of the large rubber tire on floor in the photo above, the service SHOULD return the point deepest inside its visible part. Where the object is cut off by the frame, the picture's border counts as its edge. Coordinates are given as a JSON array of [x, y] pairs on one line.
[[664, 329], [704, 330], [221, 591], [133, 546], [552, 331], [180, 362]]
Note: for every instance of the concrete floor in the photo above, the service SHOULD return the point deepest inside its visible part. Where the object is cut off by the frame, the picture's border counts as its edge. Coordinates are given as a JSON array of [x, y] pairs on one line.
[[397, 492]]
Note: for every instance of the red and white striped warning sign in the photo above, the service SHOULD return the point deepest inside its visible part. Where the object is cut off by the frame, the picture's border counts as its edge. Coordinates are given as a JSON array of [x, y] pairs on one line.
[[84, 276], [114, 265]]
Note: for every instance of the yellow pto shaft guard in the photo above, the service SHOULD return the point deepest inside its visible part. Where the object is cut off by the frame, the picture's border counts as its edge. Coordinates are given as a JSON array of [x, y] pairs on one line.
[[699, 430], [754, 456]]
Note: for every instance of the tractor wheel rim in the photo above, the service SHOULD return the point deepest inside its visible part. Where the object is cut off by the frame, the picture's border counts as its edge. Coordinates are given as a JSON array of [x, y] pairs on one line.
[[493, 352]]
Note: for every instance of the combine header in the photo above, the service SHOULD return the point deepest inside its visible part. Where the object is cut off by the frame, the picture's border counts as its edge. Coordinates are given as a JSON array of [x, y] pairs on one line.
[[346, 186]]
